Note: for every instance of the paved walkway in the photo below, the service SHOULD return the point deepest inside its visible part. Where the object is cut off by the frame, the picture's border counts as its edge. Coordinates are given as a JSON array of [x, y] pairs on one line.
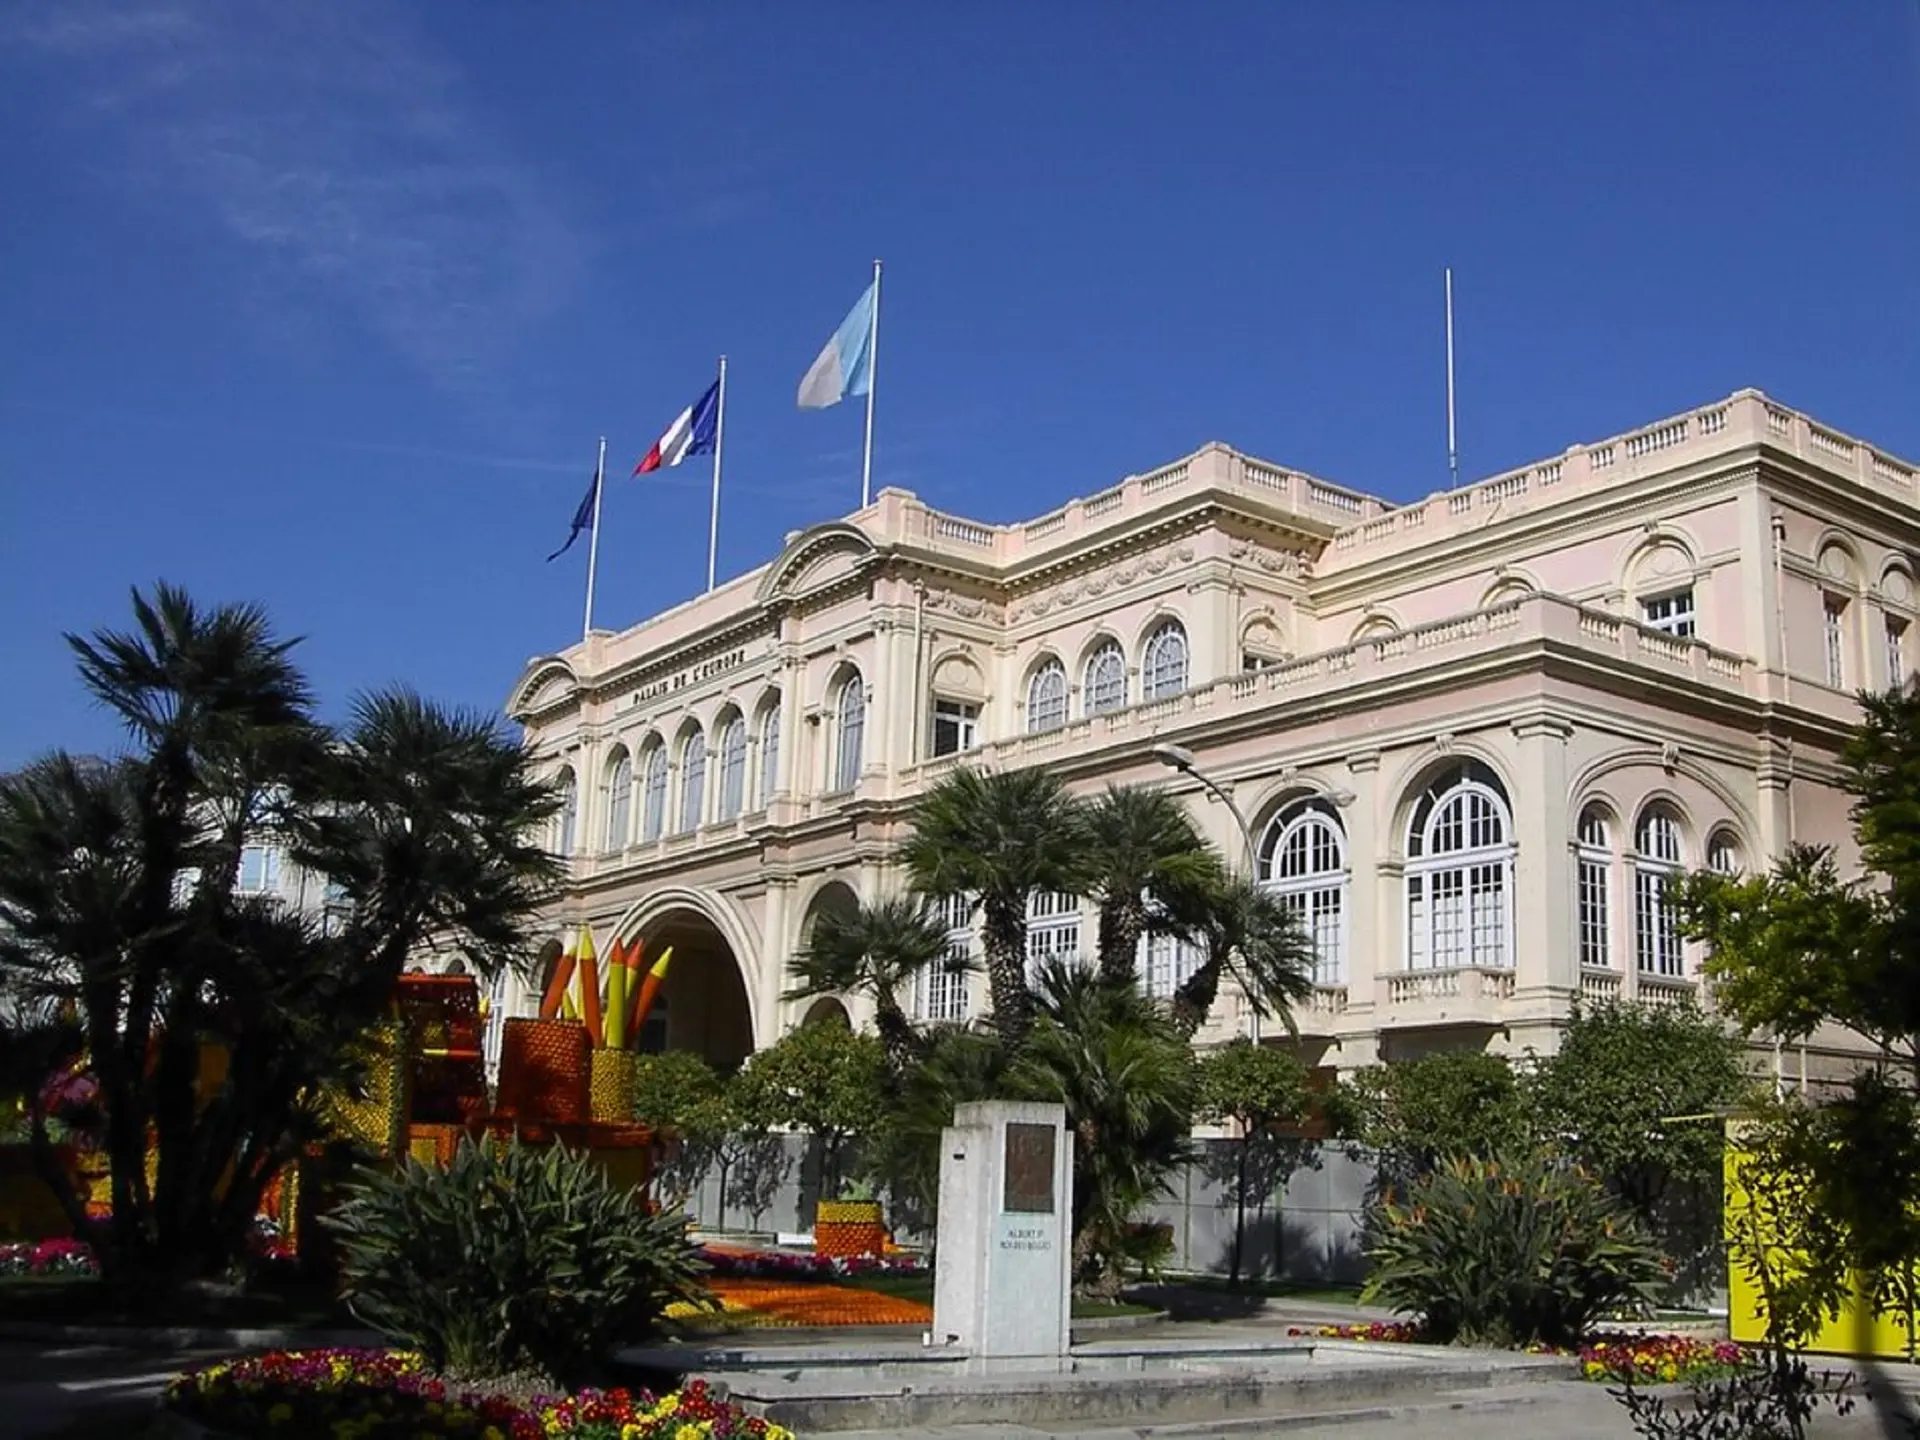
[[73, 1391]]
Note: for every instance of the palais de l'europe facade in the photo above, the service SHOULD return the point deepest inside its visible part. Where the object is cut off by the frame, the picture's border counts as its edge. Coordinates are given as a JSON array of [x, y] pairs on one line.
[[1469, 735]]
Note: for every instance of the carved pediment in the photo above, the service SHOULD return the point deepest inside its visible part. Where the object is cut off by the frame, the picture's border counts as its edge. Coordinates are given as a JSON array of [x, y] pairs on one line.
[[816, 558]]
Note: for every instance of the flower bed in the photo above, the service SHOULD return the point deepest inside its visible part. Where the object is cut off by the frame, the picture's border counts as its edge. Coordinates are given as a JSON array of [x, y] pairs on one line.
[[788, 1265], [1652, 1359], [373, 1394], [783, 1304], [47, 1257]]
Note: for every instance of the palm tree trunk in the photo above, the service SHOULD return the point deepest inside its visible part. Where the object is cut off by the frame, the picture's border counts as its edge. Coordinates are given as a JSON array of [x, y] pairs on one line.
[[897, 1034], [1123, 920], [1194, 1000], [1003, 938]]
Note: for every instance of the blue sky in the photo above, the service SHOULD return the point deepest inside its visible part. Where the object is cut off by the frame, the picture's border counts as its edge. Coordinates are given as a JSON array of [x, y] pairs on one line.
[[325, 303]]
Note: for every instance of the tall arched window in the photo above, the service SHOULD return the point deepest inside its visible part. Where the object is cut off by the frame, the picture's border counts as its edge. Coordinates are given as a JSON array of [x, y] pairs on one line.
[[567, 821], [1303, 860], [653, 795], [769, 752], [733, 767], [693, 780], [619, 807], [850, 725], [1460, 873], [1163, 666], [1656, 859], [1593, 888], [1723, 854], [1106, 682], [1047, 698]]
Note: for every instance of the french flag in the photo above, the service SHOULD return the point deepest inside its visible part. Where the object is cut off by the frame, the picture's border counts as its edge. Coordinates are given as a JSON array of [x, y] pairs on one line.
[[692, 432]]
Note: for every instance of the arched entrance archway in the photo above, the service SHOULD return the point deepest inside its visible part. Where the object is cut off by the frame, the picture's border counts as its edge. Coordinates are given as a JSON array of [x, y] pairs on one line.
[[703, 1004], [827, 1011]]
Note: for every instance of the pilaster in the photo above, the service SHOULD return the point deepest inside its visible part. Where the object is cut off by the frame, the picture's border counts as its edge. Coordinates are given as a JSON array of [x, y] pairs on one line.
[[1370, 931], [1543, 914]]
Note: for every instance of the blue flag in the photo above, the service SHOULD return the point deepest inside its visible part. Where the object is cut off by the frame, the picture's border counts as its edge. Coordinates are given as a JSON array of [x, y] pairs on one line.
[[582, 518]]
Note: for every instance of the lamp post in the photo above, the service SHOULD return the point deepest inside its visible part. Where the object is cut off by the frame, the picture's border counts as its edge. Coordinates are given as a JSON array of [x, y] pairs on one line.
[[1178, 757]]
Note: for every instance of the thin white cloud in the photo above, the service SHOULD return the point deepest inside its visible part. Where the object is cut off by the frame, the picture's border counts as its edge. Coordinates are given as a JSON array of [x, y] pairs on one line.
[[326, 140]]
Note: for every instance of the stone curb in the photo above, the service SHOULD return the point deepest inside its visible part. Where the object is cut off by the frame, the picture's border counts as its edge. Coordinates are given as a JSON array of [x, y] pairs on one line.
[[184, 1337], [1119, 1322]]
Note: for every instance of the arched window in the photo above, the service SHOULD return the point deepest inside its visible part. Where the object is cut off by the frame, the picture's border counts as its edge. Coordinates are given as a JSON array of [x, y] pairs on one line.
[[693, 780], [1656, 859], [619, 807], [1303, 860], [1593, 888], [567, 822], [1460, 873], [769, 752], [1106, 683], [1723, 854], [850, 725], [733, 767], [653, 796], [1047, 698], [1163, 668]]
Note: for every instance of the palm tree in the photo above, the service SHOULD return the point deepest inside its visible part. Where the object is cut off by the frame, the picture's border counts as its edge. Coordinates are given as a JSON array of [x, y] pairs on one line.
[[1126, 1076], [1147, 861], [875, 950], [1249, 933], [996, 839]]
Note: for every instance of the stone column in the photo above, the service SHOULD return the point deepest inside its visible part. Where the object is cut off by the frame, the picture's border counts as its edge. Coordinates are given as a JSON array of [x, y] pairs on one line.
[[1543, 886], [1371, 896], [776, 945]]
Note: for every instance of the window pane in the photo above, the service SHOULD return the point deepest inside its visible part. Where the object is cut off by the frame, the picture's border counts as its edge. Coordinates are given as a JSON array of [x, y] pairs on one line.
[[653, 810], [1047, 698], [693, 781], [1106, 686], [852, 728], [1164, 672], [733, 768], [769, 755]]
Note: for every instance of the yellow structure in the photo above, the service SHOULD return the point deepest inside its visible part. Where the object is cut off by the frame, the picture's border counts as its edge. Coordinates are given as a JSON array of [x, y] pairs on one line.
[[1857, 1330]]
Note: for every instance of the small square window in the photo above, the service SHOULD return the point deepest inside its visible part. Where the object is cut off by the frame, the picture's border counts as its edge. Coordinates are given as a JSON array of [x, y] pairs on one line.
[[956, 726], [259, 869], [1672, 613]]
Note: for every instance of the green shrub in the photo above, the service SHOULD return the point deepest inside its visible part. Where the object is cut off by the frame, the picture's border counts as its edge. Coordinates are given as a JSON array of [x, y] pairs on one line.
[[1508, 1251], [510, 1261]]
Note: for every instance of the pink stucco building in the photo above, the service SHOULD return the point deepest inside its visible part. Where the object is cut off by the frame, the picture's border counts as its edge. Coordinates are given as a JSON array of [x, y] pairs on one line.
[[1469, 735]]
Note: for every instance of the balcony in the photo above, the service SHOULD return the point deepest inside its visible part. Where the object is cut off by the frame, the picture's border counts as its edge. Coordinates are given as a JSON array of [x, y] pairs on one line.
[[1419, 999]]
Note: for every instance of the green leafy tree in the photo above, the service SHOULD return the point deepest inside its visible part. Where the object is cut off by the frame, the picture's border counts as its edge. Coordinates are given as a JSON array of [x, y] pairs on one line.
[[960, 1066], [995, 838], [1415, 1113], [1258, 1089], [119, 898], [1636, 1093], [824, 1079], [1248, 933], [1126, 1077], [1147, 861], [876, 950]]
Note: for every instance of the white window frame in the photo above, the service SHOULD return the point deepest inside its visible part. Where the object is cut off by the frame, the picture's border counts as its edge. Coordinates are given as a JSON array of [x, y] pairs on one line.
[[1165, 661], [1672, 613], [1593, 891], [1303, 862], [1657, 949], [693, 781], [1053, 931], [849, 732], [733, 767], [1725, 855], [566, 821], [653, 794], [1833, 630], [1893, 642], [1478, 876], [959, 718], [619, 817], [769, 753], [1047, 698], [1105, 688], [267, 881], [940, 991], [1166, 962]]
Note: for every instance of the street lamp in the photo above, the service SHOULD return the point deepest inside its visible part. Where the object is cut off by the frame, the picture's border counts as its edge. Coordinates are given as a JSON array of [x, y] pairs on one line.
[[1178, 757]]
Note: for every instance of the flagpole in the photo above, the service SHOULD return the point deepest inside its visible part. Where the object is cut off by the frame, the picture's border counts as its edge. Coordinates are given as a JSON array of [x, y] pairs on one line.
[[1453, 453], [873, 380], [719, 439], [593, 541]]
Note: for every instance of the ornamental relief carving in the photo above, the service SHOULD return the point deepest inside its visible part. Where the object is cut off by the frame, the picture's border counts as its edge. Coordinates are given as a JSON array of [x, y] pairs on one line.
[[1269, 558], [1097, 583], [965, 606]]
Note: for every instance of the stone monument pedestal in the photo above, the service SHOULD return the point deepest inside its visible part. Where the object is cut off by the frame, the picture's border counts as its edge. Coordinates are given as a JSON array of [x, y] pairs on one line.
[[1005, 1237]]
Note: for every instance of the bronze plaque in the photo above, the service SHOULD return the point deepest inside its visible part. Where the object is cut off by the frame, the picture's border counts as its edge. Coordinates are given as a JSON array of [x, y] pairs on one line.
[[1029, 1185]]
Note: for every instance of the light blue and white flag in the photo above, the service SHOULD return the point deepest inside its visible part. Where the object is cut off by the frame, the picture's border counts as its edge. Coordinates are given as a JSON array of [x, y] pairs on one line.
[[845, 367]]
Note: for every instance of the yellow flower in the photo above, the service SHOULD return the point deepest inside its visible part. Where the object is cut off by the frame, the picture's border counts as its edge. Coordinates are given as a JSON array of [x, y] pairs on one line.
[[492, 1432], [687, 1432]]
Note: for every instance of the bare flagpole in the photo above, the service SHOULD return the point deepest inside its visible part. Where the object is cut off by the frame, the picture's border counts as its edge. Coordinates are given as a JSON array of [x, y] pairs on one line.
[[719, 439], [873, 379], [1453, 453], [593, 541]]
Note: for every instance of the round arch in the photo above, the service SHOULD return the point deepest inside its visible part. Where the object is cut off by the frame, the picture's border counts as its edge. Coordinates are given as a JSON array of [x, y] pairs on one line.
[[827, 1011], [1411, 780], [1587, 785], [707, 999]]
